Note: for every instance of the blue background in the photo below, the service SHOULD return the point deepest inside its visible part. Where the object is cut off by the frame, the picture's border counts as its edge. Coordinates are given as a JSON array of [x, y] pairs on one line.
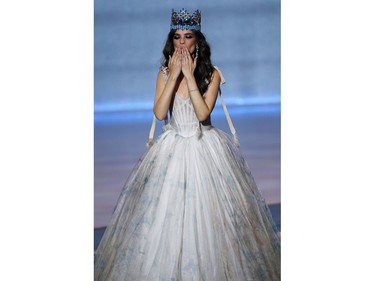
[[129, 37]]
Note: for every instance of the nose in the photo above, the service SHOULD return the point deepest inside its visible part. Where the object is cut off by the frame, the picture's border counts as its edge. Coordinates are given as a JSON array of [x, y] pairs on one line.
[[182, 40]]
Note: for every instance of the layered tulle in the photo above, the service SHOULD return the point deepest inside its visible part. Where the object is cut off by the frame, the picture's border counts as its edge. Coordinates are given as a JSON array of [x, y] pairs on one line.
[[190, 211]]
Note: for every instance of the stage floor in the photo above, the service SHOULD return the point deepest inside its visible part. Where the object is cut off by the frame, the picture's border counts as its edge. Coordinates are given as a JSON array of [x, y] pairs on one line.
[[120, 140]]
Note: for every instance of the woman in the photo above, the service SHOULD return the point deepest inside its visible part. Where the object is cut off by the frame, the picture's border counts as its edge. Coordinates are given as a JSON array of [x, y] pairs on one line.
[[190, 210]]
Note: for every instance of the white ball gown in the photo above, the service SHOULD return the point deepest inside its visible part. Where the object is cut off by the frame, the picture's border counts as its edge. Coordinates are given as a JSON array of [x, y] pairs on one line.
[[190, 211]]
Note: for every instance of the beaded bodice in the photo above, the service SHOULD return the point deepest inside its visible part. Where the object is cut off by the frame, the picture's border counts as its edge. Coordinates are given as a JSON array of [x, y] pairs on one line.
[[184, 120]]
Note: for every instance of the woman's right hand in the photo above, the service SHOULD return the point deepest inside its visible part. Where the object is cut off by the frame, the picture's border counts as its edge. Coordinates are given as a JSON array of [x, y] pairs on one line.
[[174, 64]]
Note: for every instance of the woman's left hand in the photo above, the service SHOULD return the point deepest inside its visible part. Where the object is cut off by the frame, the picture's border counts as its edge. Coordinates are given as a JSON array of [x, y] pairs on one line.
[[187, 63]]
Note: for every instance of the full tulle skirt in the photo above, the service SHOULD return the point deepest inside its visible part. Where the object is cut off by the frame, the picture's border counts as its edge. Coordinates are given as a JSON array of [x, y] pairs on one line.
[[190, 210]]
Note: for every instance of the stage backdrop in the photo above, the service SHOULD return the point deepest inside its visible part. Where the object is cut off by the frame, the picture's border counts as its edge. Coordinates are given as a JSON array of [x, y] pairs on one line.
[[130, 34]]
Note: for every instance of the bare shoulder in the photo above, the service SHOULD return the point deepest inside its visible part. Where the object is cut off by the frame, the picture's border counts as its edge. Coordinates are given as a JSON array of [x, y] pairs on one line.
[[160, 81], [164, 70], [162, 75], [215, 79], [213, 87], [216, 76]]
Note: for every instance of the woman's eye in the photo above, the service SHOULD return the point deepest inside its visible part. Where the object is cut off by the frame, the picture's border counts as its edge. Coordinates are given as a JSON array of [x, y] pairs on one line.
[[189, 36]]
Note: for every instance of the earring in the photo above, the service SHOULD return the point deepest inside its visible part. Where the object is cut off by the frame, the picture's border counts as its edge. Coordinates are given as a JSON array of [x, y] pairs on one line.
[[196, 50]]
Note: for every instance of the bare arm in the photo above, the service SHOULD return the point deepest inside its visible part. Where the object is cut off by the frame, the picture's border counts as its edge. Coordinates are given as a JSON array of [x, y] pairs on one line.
[[203, 105], [165, 90]]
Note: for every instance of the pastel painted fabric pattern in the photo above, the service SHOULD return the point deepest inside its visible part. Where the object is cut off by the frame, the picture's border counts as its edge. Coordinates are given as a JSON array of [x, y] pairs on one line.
[[190, 210]]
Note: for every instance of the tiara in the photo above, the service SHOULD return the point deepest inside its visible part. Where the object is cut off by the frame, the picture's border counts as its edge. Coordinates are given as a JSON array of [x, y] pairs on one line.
[[183, 20]]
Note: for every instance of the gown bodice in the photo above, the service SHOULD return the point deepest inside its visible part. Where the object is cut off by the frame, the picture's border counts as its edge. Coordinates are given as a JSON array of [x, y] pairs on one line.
[[184, 119]]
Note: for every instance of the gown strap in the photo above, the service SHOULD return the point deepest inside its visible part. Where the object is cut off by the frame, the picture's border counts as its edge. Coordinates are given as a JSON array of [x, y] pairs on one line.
[[229, 120], [152, 130]]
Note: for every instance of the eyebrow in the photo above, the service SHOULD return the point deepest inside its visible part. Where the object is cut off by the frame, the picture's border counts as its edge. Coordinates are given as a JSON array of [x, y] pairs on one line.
[[187, 33]]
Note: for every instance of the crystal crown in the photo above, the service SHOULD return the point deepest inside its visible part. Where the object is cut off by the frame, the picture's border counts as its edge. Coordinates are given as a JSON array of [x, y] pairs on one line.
[[183, 20]]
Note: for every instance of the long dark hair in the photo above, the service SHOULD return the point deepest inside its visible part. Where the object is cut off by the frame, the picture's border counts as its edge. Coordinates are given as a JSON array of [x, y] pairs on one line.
[[204, 69]]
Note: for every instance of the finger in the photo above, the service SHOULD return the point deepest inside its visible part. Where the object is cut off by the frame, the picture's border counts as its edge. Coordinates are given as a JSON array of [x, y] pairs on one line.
[[183, 53], [174, 54], [176, 57], [188, 56], [169, 61]]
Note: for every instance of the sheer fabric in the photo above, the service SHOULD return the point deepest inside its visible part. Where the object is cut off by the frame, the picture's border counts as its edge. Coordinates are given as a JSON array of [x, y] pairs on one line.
[[190, 210]]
